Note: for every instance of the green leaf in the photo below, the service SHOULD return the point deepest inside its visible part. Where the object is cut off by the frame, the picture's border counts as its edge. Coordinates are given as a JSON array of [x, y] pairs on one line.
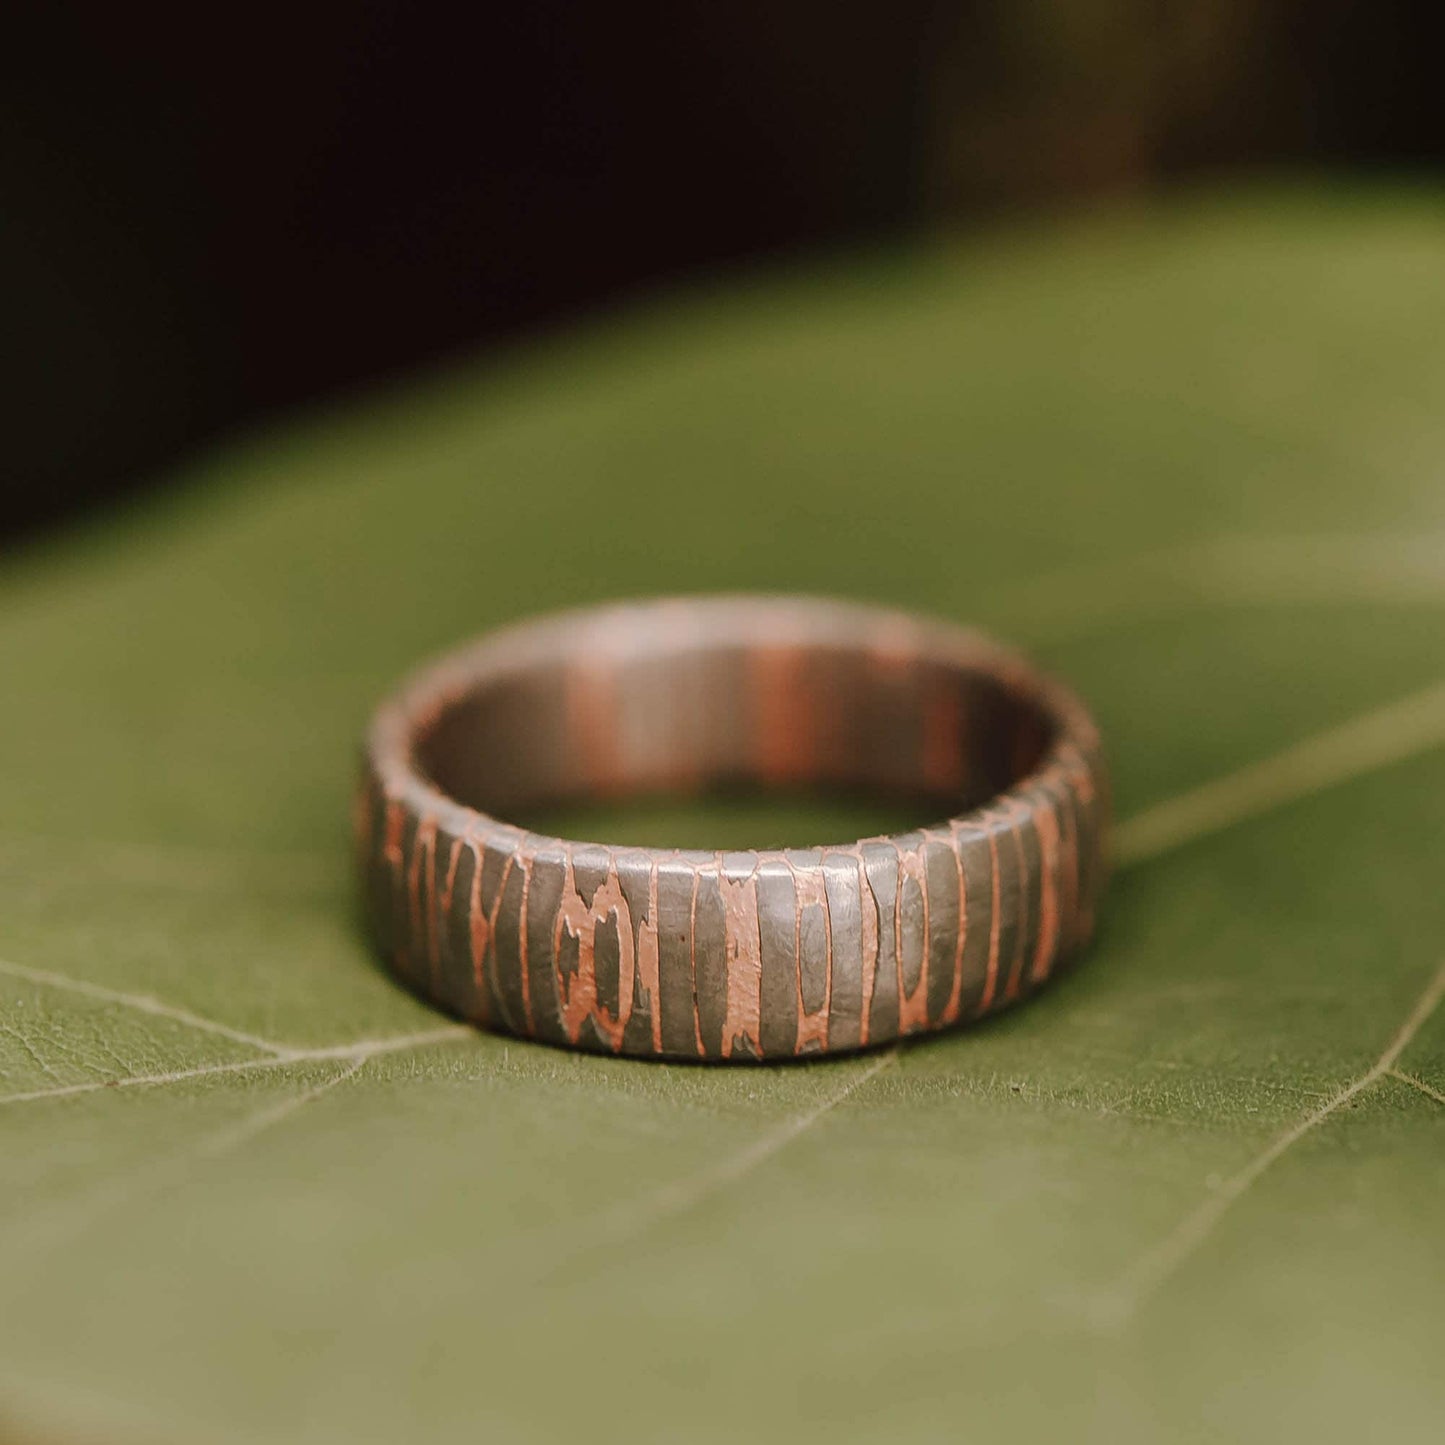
[[250, 1189]]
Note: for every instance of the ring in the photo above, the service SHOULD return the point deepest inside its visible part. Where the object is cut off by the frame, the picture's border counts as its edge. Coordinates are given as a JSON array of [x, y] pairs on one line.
[[768, 954]]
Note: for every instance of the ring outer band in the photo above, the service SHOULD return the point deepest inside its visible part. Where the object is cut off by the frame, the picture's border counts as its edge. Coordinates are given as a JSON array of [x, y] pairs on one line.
[[730, 956]]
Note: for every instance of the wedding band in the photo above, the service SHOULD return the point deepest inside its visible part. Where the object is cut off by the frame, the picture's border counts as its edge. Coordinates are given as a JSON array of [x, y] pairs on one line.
[[766, 954]]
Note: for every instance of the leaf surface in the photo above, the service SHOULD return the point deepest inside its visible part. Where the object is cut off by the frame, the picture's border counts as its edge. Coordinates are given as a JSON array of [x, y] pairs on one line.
[[250, 1189]]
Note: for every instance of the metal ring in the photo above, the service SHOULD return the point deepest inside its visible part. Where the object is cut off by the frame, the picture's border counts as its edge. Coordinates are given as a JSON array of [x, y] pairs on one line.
[[752, 955]]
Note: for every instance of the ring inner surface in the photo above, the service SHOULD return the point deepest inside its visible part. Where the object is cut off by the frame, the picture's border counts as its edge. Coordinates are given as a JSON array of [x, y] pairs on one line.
[[938, 735]]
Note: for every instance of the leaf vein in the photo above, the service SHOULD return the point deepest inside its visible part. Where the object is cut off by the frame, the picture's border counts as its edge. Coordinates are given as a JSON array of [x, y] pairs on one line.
[[1428, 1090], [362, 1050], [141, 1003], [1158, 1264], [1373, 740]]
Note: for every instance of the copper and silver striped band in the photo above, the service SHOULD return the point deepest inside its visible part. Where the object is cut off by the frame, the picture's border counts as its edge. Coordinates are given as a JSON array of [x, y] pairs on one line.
[[731, 955]]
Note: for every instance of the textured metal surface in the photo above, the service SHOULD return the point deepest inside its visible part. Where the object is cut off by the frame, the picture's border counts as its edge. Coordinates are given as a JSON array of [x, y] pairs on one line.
[[753, 955]]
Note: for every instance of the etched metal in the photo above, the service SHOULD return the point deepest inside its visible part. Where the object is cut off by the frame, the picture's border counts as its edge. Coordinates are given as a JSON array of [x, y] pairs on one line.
[[731, 956]]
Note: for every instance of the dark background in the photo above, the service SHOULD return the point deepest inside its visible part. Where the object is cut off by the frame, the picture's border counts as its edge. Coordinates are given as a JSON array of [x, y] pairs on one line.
[[210, 214]]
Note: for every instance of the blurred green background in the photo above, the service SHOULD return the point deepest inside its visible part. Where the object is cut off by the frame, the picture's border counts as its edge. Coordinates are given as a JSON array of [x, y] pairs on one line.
[[210, 216]]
